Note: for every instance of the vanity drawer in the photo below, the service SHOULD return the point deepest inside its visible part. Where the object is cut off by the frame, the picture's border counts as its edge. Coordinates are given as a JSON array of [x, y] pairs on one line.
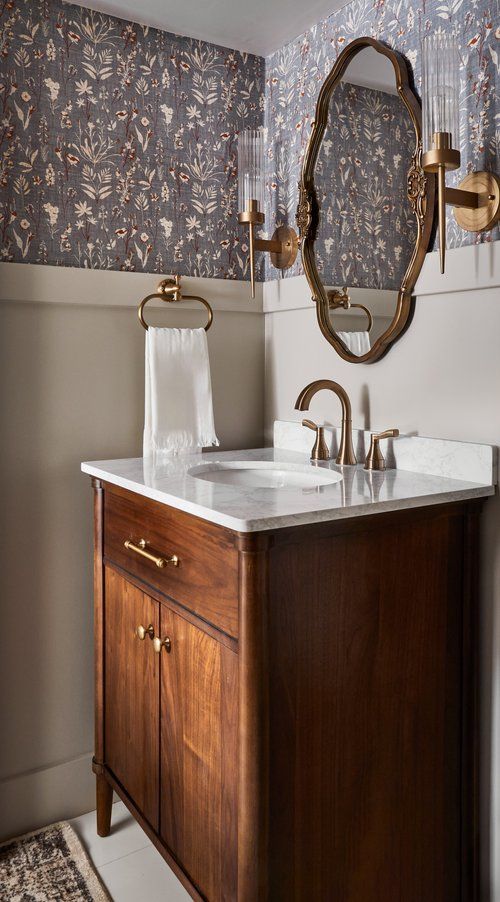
[[205, 579]]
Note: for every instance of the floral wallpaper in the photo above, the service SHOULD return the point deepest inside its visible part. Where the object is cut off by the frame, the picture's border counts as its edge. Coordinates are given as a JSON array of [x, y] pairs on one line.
[[361, 186], [294, 75], [118, 143]]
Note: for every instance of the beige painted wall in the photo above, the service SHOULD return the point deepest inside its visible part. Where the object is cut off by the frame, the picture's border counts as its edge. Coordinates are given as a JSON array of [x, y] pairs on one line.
[[441, 379], [71, 389], [71, 384]]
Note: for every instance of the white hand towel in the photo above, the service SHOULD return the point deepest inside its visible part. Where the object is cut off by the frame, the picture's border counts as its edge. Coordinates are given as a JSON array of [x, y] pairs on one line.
[[178, 416], [357, 342]]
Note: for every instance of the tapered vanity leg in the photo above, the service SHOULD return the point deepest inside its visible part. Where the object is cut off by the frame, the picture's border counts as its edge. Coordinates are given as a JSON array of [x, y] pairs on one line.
[[104, 800]]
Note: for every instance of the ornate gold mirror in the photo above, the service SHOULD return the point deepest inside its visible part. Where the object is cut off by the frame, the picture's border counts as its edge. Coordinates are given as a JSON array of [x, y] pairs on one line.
[[366, 206]]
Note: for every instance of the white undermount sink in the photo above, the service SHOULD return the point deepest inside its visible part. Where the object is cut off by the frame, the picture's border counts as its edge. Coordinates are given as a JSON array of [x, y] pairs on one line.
[[263, 474]]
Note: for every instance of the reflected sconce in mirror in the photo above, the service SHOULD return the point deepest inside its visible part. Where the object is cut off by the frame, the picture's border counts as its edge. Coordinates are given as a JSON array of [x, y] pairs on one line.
[[283, 246], [476, 201]]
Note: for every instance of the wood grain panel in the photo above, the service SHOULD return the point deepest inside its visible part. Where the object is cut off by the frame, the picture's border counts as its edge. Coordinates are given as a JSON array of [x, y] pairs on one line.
[[198, 820], [253, 796], [206, 580], [131, 744], [365, 683]]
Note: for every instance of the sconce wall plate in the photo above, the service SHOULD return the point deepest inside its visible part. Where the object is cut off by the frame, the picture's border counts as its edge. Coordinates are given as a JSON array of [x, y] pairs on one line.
[[289, 241], [486, 186]]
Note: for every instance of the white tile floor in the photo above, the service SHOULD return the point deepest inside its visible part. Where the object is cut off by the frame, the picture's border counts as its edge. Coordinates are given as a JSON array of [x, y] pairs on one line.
[[129, 865]]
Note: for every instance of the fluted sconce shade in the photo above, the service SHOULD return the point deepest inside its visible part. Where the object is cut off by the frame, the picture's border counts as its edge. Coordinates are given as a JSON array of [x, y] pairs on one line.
[[251, 169], [476, 201], [440, 89]]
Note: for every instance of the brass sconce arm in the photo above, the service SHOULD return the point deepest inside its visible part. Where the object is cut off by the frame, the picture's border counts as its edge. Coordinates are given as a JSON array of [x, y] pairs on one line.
[[268, 244], [476, 201], [283, 246], [457, 197]]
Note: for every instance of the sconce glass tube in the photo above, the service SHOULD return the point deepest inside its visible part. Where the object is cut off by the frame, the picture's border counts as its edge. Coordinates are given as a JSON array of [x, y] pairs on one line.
[[440, 89], [251, 170], [283, 245], [251, 187]]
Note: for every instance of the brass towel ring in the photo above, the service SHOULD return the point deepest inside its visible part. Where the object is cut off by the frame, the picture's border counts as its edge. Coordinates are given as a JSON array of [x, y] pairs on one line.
[[341, 300], [169, 290]]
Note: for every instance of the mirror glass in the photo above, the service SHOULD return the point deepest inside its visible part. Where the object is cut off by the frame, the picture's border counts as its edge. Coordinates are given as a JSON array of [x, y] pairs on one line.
[[367, 229]]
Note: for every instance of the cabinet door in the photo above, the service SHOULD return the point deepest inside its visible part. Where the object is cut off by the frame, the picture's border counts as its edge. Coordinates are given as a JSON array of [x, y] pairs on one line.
[[131, 730], [199, 697]]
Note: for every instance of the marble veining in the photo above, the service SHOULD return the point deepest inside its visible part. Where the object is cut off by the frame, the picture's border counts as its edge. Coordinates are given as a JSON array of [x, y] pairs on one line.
[[243, 509], [469, 461]]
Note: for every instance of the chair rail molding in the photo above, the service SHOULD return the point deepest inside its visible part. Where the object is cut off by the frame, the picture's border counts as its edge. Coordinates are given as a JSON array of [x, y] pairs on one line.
[[470, 268], [45, 284]]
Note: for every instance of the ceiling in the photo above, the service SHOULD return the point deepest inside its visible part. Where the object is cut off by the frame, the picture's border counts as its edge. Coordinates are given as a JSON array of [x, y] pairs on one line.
[[256, 26]]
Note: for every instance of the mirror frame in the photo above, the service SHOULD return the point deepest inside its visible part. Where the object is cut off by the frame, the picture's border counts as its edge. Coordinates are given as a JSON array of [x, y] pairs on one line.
[[421, 191]]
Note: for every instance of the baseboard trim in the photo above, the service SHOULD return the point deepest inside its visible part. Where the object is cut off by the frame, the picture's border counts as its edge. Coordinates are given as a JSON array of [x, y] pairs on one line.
[[46, 795]]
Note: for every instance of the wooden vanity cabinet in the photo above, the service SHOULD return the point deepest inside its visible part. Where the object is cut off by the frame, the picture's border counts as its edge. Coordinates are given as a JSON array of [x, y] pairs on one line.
[[306, 730]]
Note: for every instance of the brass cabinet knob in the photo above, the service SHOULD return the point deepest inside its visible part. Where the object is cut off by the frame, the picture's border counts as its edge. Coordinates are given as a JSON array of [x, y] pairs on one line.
[[143, 631], [375, 459], [165, 643]]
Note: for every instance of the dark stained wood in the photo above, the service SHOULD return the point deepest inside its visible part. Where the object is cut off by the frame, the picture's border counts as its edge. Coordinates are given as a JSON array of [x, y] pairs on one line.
[[173, 605], [470, 721], [229, 773], [104, 793], [198, 820], [313, 733], [98, 620], [253, 814], [293, 535], [154, 837], [206, 580], [131, 739], [365, 696], [104, 802]]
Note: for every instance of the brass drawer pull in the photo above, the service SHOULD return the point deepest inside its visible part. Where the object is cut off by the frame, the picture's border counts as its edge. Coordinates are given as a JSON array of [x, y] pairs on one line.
[[143, 631], [165, 643], [140, 548]]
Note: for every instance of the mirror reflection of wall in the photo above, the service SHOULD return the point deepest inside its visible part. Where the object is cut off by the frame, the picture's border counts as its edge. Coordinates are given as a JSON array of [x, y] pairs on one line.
[[366, 227], [367, 311]]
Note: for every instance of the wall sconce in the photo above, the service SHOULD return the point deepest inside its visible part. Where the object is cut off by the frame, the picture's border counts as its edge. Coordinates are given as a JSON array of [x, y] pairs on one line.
[[476, 201], [284, 244]]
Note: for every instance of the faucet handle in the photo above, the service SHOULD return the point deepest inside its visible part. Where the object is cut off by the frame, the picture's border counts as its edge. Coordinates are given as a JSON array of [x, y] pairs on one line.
[[375, 459], [320, 449]]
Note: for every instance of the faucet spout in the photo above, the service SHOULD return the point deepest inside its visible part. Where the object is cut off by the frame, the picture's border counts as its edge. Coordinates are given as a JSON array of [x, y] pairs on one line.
[[346, 453]]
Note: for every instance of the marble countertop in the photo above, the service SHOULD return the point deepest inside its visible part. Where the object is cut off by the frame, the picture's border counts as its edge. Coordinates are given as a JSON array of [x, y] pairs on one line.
[[359, 493]]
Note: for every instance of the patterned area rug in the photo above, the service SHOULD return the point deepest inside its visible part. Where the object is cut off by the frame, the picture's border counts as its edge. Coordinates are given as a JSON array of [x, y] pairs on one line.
[[49, 864]]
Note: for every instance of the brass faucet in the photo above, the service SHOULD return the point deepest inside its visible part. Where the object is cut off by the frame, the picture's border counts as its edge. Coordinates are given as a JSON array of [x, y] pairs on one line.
[[346, 453]]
